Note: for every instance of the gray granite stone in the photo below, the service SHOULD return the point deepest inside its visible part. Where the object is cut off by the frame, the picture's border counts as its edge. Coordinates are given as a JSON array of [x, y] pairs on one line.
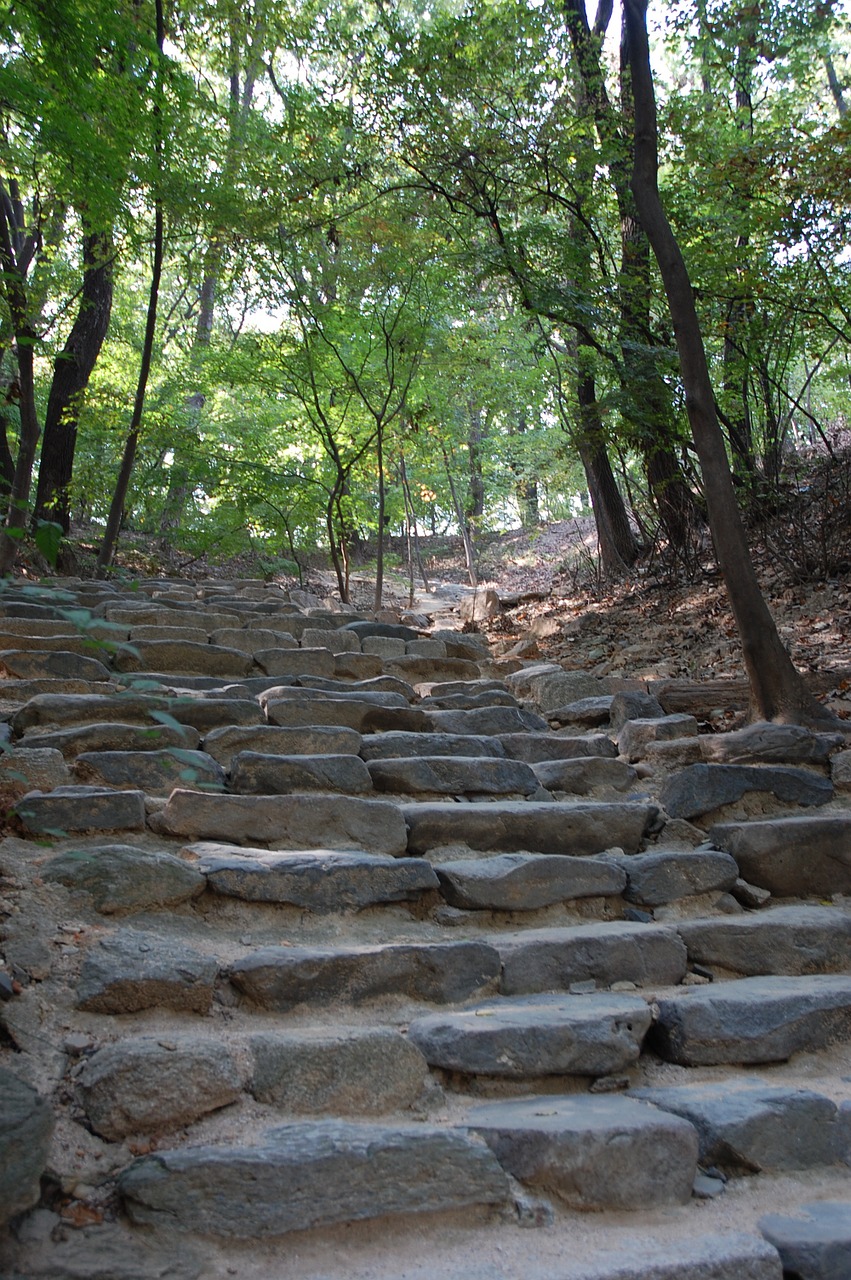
[[80, 808], [747, 1125], [526, 881], [310, 1174], [792, 857], [589, 1035], [26, 1128], [453, 775], [666, 875], [121, 878], [253, 773], [319, 880], [509, 826], [153, 1084], [154, 772], [815, 1245], [225, 743], [280, 978], [134, 970], [793, 939], [606, 952], [764, 1019], [344, 1071], [595, 1153], [700, 788]]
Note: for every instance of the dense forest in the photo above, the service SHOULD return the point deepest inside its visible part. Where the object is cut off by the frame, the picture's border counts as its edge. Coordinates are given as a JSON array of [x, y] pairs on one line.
[[282, 274]]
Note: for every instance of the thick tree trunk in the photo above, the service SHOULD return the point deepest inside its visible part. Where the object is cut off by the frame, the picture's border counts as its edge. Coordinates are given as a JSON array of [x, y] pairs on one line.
[[71, 372], [777, 690], [646, 404], [618, 547]]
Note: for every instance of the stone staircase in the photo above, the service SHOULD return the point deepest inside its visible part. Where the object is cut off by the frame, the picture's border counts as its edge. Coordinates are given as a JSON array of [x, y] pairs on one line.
[[332, 948]]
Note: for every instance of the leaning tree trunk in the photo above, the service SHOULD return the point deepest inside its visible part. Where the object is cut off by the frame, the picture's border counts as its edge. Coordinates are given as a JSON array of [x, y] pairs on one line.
[[71, 372], [777, 690]]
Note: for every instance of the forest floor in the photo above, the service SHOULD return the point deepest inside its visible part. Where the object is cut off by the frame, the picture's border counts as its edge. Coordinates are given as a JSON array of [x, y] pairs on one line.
[[659, 622]]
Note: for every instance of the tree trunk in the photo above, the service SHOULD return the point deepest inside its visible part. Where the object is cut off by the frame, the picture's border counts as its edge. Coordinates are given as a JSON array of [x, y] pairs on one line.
[[777, 690], [618, 548], [71, 372], [379, 557], [116, 507]]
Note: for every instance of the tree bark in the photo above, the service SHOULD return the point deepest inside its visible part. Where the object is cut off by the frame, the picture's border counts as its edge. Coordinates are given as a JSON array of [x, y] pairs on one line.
[[71, 372], [777, 690]]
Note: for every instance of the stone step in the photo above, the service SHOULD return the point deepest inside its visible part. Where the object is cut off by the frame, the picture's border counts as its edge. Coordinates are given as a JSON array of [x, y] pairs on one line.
[[253, 773], [753, 1020], [377, 684], [154, 772], [668, 875], [226, 742], [319, 880], [350, 713], [552, 959], [44, 664], [77, 740], [281, 978], [701, 788], [396, 744], [131, 970], [594, 1153], [537, 747], [120, 878], [301, 821], [747, 1125], [487, 721], [526, 881], [453, 775], [509, 826], [309, 1174], [538, 1035], [81, 808], [815, 1244], [586, 774], [791, 856], [791, 939]]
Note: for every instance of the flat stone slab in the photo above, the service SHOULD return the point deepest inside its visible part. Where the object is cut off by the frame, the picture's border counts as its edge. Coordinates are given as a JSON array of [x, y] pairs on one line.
[[79, 808], [468, 701], [56, 664], [183, 655], [593, 1152], [582, 776], [309, 1174], [537, 747], [282, 661], [526, 881], [635, 735], [700, 788], [766, 743], [133, 970], [154, 772], [606, 952], [112, 736], [342, 1071], [453, 775], [794, 939], [793, 857], [351, 713], [666, 875], [253, 773], [154, 1084], [281, 977], [316, 879], [815, 1245], [589, 1035], [285, 822], [120, 878], [57, 710], [489, 721], [372, 684], [305, 693], [748, 1125], [225, 743], [509, 826], [26, 1127], [416, 670], [33, 769], [753, 1019], [398, 745]]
